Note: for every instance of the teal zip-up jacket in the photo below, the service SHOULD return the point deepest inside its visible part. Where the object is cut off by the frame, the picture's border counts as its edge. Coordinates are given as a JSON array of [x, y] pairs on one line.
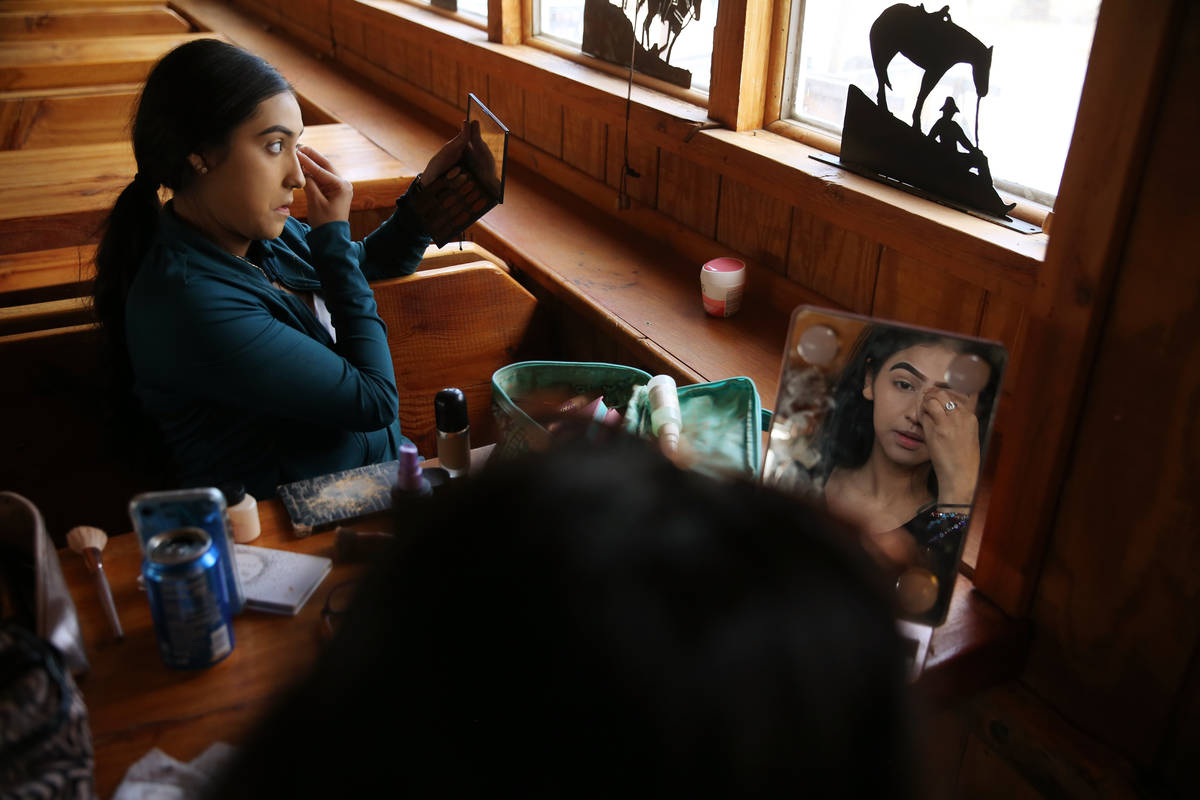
[[244, 381]]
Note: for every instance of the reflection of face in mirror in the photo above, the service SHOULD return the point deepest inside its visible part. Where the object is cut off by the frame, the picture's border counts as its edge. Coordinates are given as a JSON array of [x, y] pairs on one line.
[[891, 441]]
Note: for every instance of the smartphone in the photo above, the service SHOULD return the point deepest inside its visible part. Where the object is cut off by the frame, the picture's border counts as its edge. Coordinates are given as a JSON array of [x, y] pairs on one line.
[[153, 513]]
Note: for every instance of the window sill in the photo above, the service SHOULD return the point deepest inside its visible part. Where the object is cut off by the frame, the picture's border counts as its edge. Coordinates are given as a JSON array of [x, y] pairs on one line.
[[995, 258]]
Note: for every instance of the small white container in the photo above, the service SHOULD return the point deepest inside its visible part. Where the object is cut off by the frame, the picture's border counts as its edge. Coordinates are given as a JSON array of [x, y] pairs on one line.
[[242, 509], [722, 281]]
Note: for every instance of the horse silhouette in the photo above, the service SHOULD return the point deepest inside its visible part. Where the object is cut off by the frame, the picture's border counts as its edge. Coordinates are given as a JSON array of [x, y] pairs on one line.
[[931, 41]]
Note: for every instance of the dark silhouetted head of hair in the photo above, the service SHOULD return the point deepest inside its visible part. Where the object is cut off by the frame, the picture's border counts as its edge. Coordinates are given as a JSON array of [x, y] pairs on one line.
[[594, 621]]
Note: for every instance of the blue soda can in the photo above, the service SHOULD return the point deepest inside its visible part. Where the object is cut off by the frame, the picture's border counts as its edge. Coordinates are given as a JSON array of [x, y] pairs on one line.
[[189, 599]]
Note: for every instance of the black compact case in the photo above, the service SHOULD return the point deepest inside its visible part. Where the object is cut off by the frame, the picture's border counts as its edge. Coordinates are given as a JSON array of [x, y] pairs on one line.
[[473, 186]]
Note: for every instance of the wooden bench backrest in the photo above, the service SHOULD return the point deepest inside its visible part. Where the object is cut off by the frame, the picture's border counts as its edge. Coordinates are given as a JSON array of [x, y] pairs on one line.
[[65, 120], [453, 326], [57, 21], [42, 64], [56, 449]]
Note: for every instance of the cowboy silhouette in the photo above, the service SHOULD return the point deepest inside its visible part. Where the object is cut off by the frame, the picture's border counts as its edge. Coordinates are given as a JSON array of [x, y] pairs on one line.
[[949, 135]]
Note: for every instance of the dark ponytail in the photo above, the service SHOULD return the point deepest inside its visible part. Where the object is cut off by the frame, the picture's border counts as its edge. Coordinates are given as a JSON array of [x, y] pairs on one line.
[[193, 99]]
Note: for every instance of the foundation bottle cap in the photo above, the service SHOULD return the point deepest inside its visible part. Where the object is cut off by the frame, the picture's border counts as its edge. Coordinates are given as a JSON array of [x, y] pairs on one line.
[[450, 410], [234, 493]]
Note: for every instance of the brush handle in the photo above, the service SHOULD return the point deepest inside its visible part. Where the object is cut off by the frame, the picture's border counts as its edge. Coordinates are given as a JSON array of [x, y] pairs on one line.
[[91, 557]]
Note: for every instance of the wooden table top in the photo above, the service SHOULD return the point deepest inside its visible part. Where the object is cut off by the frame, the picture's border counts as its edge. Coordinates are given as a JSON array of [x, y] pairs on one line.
[[135, 703]]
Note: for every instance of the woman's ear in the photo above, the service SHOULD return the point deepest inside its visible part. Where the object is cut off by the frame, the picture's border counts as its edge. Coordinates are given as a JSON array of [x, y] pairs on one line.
[[198, 163], [869, 386]]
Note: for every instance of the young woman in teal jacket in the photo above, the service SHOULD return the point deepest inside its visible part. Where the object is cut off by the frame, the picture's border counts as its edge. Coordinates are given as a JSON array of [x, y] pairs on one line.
[[251, 339]]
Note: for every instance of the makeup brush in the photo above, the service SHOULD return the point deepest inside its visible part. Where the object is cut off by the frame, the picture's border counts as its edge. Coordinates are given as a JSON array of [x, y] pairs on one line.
[[88, 542]]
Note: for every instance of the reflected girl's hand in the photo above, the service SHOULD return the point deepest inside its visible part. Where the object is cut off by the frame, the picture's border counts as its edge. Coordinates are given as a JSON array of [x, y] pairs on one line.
[[328, 193], [952, 436]]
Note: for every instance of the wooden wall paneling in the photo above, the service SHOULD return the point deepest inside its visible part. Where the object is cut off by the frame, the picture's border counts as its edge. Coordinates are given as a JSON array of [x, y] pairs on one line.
[[754, 224], [507, 101], [583, 142], [1124, 84], [472, 79], [69, 23], [687, 192], [35, 121], [443, 77], [908, 290], [347, 27], [544, 123], [643, 159], [980, 252], [1116, 606], [833, 261], [504, 21], [741, 46], [416, 63], [1005, 321], [379, 47]]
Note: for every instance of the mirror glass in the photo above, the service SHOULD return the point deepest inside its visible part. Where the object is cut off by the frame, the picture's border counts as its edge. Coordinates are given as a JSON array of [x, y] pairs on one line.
[[489, 169], [886, 425]]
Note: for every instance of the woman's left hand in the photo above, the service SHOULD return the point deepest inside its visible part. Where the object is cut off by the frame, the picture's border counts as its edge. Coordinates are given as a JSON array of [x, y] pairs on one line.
[[952, 436], [327, 192]]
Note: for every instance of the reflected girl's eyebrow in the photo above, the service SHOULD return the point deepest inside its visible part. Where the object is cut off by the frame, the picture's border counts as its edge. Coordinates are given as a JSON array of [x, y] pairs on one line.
[[277, 129], [907, 366]]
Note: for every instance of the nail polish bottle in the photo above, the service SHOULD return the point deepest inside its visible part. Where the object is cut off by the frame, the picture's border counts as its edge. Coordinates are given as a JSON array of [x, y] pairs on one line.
[[410, 479], [453, 432]]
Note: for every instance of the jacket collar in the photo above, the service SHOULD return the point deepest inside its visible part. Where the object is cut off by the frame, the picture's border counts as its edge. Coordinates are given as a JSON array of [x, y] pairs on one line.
[[277, 261]]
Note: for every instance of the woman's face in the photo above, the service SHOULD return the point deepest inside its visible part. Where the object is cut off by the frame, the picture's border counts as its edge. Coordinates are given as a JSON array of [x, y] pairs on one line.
[[249, 187], [896, 392]]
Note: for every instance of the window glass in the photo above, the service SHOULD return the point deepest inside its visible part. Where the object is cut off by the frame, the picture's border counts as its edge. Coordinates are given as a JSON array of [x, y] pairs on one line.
[[687, 44], [1026, 119], [473, 8]]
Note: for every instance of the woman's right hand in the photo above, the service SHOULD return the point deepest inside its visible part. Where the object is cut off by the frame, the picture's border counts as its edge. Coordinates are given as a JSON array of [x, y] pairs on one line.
[[952, 436], [328, 193]]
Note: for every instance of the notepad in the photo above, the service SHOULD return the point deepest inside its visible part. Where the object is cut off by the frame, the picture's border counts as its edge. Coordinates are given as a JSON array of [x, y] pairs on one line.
[[279, 581]]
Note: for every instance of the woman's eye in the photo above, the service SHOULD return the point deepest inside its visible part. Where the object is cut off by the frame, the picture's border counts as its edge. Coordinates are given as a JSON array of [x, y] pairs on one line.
[[904, 386], [275, 148]]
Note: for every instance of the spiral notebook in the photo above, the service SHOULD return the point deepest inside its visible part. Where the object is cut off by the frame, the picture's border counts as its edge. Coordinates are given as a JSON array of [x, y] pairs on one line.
[[279, 581]]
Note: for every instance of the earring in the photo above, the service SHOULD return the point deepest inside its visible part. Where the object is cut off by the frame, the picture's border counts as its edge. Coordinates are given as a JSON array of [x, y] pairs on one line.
[[203, 170]]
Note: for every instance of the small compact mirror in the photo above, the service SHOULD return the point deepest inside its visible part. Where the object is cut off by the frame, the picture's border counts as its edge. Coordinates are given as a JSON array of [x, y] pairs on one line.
[[489, 172], [886, 425]]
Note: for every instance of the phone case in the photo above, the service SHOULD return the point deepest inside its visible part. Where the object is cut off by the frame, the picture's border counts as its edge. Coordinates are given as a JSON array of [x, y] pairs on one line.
[[153, 513]]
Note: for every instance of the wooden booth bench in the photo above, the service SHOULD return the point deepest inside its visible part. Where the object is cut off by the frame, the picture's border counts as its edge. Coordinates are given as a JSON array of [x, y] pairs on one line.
[[30, 279], [447, 326], [49, 63], [65, 20], [60, 196]]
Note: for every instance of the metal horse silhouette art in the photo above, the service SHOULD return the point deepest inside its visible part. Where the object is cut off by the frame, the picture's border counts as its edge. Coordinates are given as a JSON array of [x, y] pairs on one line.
[[931, 41]]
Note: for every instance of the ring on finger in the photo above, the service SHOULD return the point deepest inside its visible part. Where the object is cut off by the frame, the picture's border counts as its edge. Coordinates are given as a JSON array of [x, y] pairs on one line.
[[950, 406]]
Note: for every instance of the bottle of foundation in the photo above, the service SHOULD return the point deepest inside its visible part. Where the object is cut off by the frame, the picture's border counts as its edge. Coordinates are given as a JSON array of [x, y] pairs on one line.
[[453, 432], [241, 513]]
